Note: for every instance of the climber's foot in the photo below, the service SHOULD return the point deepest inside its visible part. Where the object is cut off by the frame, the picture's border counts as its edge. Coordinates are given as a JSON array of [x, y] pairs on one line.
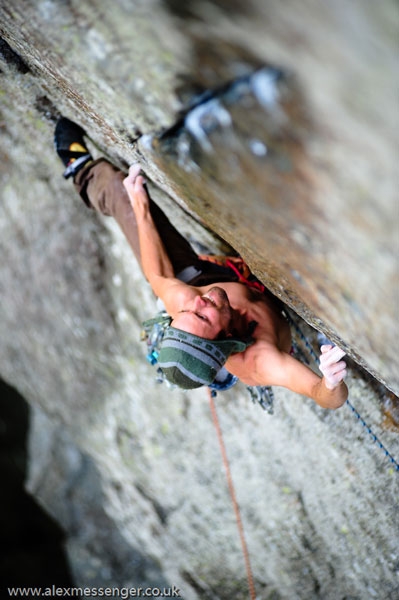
[[70, 146]]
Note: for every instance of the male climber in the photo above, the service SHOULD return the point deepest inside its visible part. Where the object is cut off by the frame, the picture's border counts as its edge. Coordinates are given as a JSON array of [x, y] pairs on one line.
[[217, 317]]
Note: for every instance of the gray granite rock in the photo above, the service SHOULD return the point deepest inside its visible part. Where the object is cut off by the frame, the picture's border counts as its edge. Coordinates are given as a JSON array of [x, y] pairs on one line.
[[131, 469]]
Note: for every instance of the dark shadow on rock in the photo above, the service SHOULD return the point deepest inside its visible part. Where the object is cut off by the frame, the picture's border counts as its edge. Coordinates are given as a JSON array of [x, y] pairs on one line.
[[31, 553], [12, 58], [193, 9]]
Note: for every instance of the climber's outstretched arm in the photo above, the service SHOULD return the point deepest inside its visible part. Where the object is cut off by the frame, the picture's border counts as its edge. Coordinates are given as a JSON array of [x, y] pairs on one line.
[[154, 258], [273, 367]]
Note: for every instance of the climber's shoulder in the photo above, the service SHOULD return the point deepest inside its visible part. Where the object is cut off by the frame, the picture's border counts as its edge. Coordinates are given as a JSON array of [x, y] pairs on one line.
[[173, 292]]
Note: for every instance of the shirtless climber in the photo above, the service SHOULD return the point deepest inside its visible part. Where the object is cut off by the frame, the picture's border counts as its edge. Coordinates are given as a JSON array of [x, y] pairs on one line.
[[216, 316]]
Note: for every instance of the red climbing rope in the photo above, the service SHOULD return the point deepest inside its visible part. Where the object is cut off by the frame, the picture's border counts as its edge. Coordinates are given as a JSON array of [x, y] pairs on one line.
[[251, 586]]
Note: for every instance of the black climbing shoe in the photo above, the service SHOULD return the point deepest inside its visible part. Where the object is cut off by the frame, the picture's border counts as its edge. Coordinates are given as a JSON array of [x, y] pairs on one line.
[[70, 146]]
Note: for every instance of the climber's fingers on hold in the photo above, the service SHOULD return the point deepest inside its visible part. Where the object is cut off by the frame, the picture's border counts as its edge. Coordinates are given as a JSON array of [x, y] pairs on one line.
[[330, 355]]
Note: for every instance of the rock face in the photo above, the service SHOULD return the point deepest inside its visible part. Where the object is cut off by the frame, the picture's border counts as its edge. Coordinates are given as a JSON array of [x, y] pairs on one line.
[[274, 128]]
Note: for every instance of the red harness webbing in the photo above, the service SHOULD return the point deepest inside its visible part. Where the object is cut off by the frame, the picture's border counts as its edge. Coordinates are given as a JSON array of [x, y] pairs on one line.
[[238, 266]]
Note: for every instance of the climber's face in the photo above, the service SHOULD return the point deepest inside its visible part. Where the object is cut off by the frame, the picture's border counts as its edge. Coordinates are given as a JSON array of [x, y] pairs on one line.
[[209, 315]]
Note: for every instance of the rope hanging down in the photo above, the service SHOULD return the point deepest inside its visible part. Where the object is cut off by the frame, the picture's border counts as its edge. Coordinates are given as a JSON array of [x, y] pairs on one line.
[[251, 585]]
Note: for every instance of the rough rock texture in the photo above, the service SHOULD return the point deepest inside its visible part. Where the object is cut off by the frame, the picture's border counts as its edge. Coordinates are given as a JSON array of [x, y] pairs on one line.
[[297, 173]]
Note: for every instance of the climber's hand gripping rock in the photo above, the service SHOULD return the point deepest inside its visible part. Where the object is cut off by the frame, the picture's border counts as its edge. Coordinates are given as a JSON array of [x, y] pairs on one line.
[[134, 185], [331, 365]]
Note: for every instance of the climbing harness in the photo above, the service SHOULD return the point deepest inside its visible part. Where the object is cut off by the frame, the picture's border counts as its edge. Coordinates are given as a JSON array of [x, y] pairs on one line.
[[314, 356]]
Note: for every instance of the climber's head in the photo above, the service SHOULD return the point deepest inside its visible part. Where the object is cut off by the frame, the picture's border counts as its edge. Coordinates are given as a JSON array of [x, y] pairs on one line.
[[209, 315], [200, 338], [190, 361]]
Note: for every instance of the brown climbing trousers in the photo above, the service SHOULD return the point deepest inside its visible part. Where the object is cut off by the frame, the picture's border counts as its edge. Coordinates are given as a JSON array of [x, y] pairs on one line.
[[100, 185]]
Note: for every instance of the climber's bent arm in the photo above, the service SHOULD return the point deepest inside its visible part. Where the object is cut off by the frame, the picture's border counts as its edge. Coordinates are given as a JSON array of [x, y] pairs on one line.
[[273, 367], [154, 258], [155, 261]]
